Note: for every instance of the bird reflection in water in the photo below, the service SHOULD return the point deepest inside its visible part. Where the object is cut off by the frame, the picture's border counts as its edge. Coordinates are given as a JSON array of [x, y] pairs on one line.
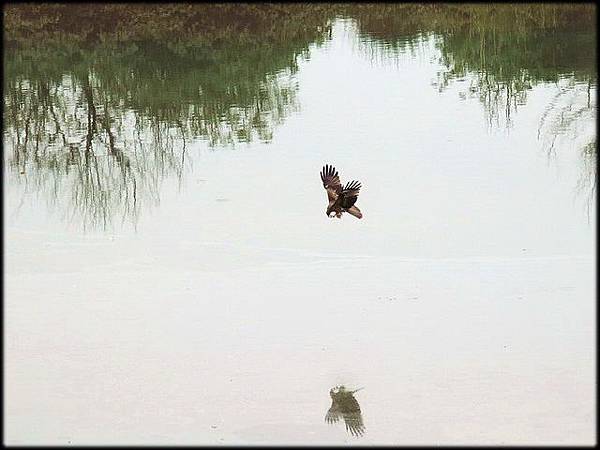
[[345, 405]]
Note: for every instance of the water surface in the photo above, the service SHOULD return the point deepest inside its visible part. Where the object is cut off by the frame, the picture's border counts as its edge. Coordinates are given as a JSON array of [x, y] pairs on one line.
[[171, 275]]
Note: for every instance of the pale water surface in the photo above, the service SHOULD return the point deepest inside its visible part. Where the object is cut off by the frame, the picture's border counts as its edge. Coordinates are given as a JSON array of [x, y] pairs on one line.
[[225, 308]]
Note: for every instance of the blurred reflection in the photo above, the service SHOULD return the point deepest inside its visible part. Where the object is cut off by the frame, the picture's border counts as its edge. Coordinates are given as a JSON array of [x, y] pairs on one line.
[[99, 124], [569, 121], [98, 128], [506, 49], [502, 65], [72, 142], [344, 405], [499, 53]]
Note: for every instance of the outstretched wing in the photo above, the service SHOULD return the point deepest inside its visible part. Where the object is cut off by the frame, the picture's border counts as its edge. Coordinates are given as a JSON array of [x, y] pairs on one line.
[[331, 182], [333, 415], [354, 423], [350, 194]]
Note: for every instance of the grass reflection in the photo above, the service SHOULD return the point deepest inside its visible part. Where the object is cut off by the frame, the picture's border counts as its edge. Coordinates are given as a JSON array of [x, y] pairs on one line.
[[102, 114], [503, 51]]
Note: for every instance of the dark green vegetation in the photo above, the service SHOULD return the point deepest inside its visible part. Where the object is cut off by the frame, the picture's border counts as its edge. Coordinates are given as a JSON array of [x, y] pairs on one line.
[[508, 48], [503, 51], [115, 103], [111, 93]]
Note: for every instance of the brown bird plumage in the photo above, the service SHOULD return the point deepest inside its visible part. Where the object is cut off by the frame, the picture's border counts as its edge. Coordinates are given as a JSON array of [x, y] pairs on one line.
[[341, 199]]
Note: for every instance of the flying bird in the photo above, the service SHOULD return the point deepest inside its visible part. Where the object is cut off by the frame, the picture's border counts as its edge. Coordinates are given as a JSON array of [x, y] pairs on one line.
[[341, 199], [345, 405]]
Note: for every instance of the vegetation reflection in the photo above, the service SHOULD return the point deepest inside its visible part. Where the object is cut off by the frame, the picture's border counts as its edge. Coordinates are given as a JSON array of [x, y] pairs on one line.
[[103, 113], [503, 51], [107, 112]]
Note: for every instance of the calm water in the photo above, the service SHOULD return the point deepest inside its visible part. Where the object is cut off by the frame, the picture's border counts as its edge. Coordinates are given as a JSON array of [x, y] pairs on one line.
[[171, 275]]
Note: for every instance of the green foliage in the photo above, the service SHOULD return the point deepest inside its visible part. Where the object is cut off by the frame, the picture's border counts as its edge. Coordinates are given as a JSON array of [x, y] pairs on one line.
[[167, 60], [107, 113], [108, 95], [28, 24], [502, 49]]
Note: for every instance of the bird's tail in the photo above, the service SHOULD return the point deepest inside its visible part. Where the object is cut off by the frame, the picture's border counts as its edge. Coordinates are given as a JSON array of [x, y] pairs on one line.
[[355, 212]]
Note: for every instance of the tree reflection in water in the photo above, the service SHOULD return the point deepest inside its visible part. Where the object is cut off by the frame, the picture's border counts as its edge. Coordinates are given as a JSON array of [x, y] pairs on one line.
[[101, 126], [502, 52], [69, 140], [102, 115]]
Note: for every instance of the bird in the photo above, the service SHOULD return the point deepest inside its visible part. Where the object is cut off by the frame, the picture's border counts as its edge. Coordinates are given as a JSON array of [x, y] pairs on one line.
[[344, 404], [341, 199]]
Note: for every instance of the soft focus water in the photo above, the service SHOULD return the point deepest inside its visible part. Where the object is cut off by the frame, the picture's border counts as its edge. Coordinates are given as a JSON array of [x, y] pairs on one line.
[[202, 295]]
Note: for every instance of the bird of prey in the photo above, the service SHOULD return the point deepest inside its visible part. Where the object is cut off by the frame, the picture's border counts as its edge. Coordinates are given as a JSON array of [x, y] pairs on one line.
[[341, 199], [345, 405]]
